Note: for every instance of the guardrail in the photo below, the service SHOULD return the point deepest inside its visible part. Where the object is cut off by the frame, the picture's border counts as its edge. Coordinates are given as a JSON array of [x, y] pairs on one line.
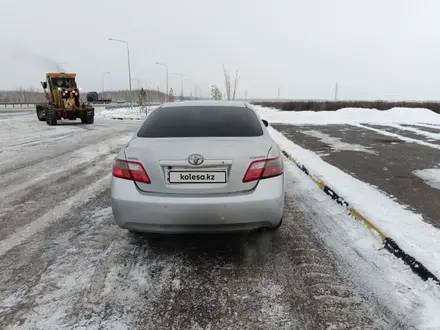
[[34, 104], [127, 105], [106, 105], [19, 104]]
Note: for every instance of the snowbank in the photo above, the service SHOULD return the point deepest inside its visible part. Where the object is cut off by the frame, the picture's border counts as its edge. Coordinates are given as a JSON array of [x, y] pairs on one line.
[[125, 113], [350, 116]]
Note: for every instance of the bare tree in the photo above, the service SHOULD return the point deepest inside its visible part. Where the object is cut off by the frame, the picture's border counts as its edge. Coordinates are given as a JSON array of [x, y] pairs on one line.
[[22, 95], [230, 90], [32, 94], [227, 83], [236, 81]]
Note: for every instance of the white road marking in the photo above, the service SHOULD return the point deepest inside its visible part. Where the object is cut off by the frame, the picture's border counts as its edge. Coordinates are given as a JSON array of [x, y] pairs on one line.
[[400, 137]]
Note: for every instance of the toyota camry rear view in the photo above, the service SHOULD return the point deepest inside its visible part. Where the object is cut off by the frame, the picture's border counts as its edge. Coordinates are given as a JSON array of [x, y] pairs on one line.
[[199, 167]]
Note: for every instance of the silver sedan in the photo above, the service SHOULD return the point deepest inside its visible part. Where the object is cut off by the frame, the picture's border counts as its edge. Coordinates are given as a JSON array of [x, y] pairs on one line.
[[206, 166]]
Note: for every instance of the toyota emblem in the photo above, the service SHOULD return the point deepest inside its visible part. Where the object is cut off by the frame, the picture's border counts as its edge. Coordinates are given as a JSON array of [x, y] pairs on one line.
[[196, 159]]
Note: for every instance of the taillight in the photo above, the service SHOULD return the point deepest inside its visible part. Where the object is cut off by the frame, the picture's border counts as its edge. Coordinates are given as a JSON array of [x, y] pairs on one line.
[[262, 169], [130, 170]]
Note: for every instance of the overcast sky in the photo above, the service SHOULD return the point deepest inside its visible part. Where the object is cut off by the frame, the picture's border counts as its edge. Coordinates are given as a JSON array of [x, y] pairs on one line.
[[376, 49]]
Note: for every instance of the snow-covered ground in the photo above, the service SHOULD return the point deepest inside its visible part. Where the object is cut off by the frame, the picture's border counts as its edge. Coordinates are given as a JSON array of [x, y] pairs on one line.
[[336, 143], [432, 136], [350, 116], [431, 176]]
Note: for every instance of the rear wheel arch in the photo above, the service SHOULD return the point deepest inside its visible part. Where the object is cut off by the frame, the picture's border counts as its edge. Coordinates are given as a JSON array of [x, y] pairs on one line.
[[278, 225]]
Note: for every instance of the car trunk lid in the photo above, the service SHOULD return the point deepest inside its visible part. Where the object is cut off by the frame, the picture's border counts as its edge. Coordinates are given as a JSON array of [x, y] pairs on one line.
[[225, 162]]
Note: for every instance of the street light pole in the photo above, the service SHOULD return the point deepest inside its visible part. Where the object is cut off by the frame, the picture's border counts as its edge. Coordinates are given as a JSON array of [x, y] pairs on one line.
[[102, 80], [181, 82], [166, 66], [129, 68], [196, 88], [192, 87]]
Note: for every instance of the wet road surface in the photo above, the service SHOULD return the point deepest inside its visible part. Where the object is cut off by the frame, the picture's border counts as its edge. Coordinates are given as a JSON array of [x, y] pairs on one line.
[[65, 265], [382, 161], [424, 134]]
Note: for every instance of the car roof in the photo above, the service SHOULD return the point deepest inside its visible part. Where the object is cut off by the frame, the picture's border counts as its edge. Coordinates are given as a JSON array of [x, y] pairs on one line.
[[205, 103]]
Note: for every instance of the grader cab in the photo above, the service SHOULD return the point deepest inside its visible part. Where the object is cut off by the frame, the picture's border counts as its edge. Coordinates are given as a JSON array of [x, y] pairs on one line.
[[63, 100]]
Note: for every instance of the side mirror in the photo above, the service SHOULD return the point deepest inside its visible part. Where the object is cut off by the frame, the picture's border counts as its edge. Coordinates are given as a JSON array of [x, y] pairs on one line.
[[45, 84], [265, 122]]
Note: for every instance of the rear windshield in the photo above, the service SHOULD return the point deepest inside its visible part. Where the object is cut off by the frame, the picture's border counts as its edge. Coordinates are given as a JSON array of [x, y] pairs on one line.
[[201, 121]]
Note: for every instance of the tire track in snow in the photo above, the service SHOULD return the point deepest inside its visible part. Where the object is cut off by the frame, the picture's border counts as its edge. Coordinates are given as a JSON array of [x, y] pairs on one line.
[[311, 279], [31, 142], [23, 189], [364, 266], [53, 215], [16, 132], [69, 250], [23, 203], [98, 276], [65, 163], [36, 202], [97, 281], [33, 190], [42, 154], [101, 277]]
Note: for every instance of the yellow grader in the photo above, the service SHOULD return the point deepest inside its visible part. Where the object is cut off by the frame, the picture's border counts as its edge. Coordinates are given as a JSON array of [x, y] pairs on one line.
[[63, 100]]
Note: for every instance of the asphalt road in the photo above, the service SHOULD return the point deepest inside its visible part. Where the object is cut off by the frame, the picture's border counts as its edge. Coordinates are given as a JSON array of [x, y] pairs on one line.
[[383, 161], [64, 264]]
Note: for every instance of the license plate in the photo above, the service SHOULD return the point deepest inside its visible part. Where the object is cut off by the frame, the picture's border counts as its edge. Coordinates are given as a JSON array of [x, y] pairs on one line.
[[197, 176]]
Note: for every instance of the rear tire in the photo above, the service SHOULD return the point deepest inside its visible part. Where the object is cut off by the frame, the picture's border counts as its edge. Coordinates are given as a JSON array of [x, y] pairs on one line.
[[41, 113], [88, 116], [51, 116]]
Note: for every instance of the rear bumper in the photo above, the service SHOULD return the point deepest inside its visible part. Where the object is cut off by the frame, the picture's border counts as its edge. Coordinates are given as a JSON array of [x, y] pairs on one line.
[[134, 210]]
